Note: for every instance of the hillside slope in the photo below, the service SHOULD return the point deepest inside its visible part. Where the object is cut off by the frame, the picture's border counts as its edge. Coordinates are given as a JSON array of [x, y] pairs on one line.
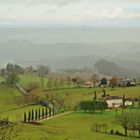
[[110, 68]]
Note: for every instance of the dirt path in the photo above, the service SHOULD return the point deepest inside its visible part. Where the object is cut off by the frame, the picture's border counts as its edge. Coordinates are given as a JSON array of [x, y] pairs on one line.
[[62, 114]]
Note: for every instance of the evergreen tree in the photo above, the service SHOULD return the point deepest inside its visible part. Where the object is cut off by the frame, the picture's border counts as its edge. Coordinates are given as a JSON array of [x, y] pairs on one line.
[[25, 117], [36, 115], [39, 113], [32, 115], [43, 114], [46, 112], [50, 110], [29, 116]]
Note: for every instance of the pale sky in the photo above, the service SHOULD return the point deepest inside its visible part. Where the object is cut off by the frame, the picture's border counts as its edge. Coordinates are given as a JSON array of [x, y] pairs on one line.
[[70, 12]]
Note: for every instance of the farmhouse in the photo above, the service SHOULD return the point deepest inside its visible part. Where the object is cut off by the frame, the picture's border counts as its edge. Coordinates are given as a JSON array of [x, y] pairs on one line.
[[126, 82], [116, 102], [88, 84]]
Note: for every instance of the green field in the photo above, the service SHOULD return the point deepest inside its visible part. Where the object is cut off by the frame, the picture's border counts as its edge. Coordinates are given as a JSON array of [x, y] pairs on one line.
[[9, 98], [73, 96], [26, 79], [74, 126], [132, 92]]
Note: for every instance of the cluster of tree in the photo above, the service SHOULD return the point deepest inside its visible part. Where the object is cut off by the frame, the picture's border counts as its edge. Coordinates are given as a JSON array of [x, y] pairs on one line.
[[10, 73], [43, 70], [77, 81], [103, 81], [71, 82], [38, 114], [113, 82], [37, 96], [40, 70], [56, 83], [63, 82], [94, 105], [129, 121]]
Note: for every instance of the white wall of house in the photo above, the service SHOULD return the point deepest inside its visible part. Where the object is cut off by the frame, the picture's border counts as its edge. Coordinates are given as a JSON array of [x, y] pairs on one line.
[[128, 103], [114, 103]]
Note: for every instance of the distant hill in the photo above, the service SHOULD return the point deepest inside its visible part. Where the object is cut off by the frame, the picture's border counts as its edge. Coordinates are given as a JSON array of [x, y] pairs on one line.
[[110, 68]]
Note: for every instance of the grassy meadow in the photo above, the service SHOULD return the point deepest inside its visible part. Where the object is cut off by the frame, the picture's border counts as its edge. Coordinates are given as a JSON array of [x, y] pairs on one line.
[[73, 126]]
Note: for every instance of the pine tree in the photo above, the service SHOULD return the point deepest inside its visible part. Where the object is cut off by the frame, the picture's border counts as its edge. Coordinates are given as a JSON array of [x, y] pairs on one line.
[[29, 116], [43, 114], [46, 112], [50, 110], [39, 113], [25, 117], [36, 115], [32, 115]]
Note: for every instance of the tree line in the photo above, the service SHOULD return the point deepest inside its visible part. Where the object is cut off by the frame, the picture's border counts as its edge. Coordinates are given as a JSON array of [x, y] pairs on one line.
[[37, 114], [93, 106]]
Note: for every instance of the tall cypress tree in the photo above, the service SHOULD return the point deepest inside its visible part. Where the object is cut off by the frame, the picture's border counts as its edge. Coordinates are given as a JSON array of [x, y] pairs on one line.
[[36, 115], [29, 116], [43, 114], [50, 110], [39, 113], [32, 115], [25, 117], [46, 111]]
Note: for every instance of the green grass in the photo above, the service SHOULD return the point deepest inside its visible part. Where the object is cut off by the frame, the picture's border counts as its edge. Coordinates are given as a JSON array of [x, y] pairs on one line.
[[132, 92], [75, 126], [73, 96], [26, 79], [10, 98], [11, 103], [18, 113], [7, 91]]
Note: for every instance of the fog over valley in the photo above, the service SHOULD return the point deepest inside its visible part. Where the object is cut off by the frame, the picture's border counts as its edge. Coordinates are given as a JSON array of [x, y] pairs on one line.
[[65, 47]]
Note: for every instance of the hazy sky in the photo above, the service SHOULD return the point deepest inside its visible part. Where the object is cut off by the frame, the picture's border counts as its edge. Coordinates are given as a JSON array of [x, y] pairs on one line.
[[70, 12]]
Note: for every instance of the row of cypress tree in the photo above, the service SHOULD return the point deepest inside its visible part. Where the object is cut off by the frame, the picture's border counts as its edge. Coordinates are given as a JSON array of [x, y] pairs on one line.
[[34, 115]]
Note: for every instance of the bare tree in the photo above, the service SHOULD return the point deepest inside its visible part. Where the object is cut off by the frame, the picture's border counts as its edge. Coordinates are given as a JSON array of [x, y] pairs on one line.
[[68, 81], [94, 78]]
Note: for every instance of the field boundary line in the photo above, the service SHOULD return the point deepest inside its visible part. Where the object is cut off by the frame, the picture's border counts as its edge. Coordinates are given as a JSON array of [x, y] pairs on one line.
[[58, 115]]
